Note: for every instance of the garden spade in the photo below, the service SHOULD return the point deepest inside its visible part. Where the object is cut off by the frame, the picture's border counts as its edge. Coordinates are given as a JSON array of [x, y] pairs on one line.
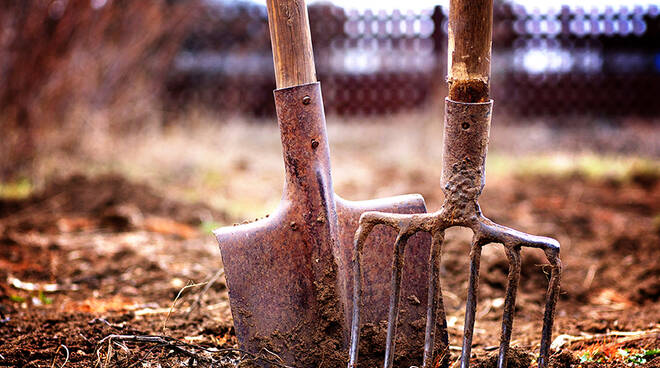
[[290, 274]]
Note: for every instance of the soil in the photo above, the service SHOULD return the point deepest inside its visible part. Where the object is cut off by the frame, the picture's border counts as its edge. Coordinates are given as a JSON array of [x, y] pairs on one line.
[[88, 258], [516, 358]]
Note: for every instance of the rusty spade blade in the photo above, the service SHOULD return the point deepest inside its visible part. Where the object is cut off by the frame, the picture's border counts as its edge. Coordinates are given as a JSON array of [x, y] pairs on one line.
[[290, 275]]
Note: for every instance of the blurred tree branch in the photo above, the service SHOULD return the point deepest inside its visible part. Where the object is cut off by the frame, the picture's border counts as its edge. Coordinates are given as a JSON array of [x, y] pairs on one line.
[[62, 62]]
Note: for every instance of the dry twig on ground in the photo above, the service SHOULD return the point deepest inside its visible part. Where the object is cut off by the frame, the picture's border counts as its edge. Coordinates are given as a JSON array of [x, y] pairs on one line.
[[204, 356], [209, 284]]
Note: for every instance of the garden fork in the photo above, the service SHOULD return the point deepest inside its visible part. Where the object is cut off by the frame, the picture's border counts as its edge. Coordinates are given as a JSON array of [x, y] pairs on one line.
[[467, 125]]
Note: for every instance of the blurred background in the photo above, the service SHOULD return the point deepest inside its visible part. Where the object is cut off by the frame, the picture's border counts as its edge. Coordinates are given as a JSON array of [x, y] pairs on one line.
[[130, 129], [74, 73]]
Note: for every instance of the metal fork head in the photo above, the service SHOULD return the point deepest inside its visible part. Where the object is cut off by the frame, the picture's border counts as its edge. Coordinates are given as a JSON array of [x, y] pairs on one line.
[[466, 133]]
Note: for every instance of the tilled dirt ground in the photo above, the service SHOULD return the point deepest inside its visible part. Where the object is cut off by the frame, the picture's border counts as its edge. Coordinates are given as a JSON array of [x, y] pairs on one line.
[[104, 272]]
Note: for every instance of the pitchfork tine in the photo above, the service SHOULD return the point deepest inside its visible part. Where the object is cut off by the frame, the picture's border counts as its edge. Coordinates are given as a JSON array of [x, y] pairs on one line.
[[510, 238], [552, 296], [471, 303], [485, 231], [395, 297], [361, 235], [513, 254], [435, 303]]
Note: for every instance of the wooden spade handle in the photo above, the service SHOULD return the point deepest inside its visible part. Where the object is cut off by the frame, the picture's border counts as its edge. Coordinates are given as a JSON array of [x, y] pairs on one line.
[[291, 40], [470, 40]]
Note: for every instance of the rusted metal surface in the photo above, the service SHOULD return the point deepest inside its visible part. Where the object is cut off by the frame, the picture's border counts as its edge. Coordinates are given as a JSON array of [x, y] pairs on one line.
[[377, 268], [290, 275], [466, 133]]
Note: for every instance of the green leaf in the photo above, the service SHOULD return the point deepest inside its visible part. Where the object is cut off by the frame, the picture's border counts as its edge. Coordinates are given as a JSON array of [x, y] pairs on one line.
[[586, 357], [651, 353], [643, 357], [16, 298], [44, 299], [209, 226]]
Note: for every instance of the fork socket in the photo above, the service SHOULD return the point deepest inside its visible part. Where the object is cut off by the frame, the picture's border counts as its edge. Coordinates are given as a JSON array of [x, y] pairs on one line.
[[467, 128]]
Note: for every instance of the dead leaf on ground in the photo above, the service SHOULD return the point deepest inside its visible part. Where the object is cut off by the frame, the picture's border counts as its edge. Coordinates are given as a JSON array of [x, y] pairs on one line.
[[170, 227]]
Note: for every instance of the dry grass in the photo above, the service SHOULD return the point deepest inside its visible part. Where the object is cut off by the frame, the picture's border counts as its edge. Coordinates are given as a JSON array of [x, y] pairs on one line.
[[70, 67], [236, 164]]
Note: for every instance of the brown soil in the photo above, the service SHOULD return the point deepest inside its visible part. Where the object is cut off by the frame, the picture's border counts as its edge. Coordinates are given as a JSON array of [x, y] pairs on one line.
[[119, 253], [107, 202], [516, 358]]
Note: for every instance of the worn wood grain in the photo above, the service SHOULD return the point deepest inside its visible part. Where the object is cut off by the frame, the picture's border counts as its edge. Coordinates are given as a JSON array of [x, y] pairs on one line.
[[292, 42], [469, 49]]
